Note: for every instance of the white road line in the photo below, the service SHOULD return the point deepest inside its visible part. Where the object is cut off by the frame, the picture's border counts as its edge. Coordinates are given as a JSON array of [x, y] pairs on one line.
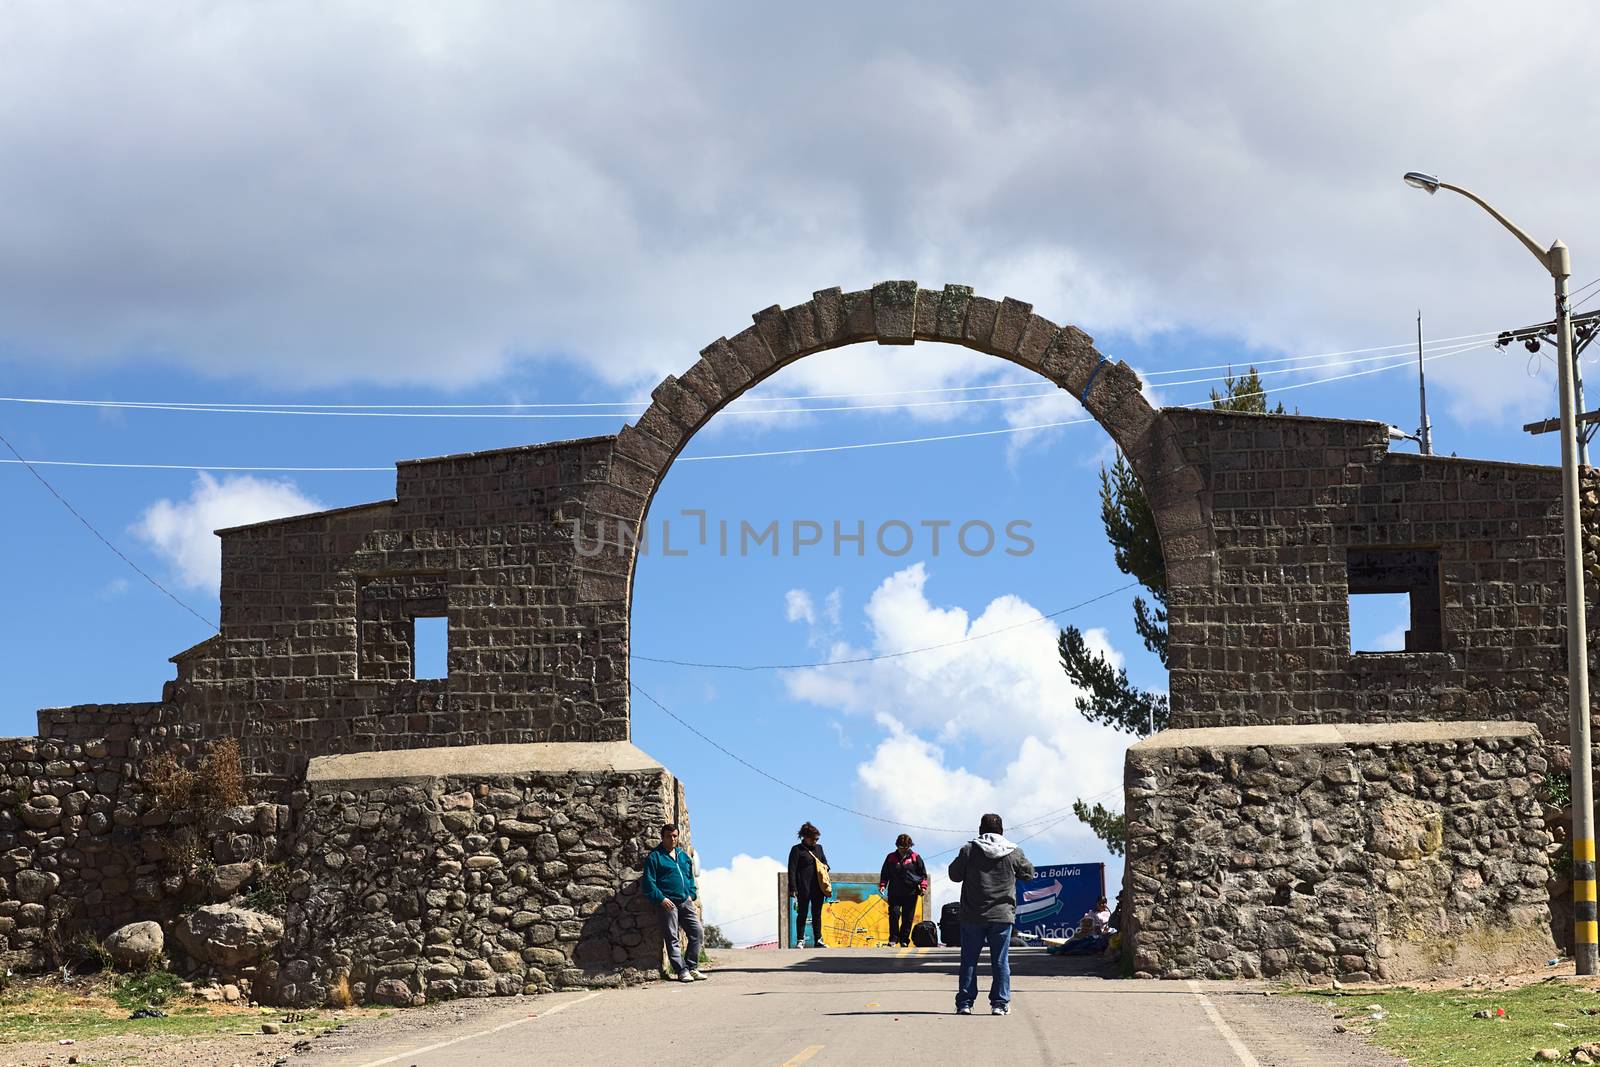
[[481, 1033], [1223, 1028]]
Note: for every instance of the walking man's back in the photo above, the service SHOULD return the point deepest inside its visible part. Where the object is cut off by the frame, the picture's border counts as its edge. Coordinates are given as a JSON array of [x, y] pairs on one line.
[[988, 868]]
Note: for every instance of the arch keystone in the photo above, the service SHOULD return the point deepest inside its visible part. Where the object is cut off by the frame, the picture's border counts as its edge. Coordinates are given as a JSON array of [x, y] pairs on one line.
[[894, 312]]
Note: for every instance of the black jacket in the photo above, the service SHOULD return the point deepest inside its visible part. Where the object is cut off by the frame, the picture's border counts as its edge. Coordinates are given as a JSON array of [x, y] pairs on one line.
[[803, 868], [903, 878]]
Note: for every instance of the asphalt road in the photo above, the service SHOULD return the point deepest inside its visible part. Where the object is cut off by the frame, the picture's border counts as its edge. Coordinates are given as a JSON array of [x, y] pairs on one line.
[[862, 1006]]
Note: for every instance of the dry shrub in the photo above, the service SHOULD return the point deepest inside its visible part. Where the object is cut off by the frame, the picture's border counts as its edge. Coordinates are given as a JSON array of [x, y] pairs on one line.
[[339, 995], [216, 784]]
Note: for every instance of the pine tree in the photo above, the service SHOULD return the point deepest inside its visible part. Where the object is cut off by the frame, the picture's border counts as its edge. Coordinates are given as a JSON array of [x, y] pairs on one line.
[[1108, 696]]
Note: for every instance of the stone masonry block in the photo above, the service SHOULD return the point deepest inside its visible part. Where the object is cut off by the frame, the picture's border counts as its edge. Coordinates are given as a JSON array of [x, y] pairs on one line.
[[753, 352], [927, 328], [689, 410], [775, 331], [701, 380], [649, 452], [1069, 359], [803, 327], [1035, 341], [953, 313], [1009, 324], [981, 314], [894, 310], [859, 321], [827, 315], [658, 422], [626, 473], [732, 374]]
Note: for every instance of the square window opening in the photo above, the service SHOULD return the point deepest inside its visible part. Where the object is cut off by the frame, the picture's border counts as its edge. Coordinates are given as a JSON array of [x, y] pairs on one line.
[[1394, 600], [430, 643]]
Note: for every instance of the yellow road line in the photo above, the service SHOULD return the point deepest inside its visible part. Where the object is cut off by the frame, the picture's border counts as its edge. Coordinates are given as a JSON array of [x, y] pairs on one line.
[[803, 1055]]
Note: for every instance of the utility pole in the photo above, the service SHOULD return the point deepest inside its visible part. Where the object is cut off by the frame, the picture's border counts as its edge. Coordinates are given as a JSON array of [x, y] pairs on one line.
[[1557, 260], [1584, 329], [1425, 431]]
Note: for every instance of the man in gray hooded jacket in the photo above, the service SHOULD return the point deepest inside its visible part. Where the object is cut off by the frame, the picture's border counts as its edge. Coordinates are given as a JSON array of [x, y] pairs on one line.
[[988, 868]]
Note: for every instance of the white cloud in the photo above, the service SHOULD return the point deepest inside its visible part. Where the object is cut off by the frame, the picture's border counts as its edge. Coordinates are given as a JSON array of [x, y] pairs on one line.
[[391, 193], [742, 898], [183, 532], [798, 607], [986, 725]]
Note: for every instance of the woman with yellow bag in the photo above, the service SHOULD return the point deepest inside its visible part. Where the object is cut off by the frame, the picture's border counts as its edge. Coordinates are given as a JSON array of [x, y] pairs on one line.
[[809, 884]]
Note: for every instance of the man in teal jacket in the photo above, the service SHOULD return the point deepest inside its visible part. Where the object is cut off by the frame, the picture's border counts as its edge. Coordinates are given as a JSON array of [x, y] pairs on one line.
[[669, 884]]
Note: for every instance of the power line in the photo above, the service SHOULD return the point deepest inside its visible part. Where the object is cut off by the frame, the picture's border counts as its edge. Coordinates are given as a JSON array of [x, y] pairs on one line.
[[746, 455], [102, 537], [796, 789], [886, 655], [1320, 355], [774, 778], [489, 410]]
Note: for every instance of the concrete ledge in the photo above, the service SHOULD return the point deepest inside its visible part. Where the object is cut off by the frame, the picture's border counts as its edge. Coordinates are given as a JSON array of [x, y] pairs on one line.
[[1331, 734], [567, 757]]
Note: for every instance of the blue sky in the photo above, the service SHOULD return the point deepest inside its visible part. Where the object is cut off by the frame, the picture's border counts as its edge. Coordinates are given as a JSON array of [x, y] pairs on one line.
[[357, 205]]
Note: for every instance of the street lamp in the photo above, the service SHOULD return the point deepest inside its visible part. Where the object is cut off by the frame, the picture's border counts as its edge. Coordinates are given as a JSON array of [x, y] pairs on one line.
[[1558, 262]]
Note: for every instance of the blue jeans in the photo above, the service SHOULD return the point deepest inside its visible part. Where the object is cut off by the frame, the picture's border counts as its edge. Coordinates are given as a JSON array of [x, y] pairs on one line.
[[686, 915], [973, 937]]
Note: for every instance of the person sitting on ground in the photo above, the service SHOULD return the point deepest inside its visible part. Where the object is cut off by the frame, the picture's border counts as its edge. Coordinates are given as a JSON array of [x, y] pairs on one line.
[[805, 884], [902, 880], [669, 884]]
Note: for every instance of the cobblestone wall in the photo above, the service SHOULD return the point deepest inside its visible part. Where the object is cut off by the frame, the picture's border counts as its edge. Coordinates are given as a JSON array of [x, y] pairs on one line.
[[84, 848], [414, 888], [1359, 852]]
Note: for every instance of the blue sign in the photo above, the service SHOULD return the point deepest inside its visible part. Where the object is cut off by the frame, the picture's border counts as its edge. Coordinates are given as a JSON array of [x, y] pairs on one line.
[[1051, 903]]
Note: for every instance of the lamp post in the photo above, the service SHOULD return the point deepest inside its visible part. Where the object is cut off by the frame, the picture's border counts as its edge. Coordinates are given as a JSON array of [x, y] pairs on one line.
[[1558, 262]]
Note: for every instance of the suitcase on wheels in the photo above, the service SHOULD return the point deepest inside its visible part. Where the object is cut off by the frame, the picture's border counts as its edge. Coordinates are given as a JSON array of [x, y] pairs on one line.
[[950, 924], [925, 934]]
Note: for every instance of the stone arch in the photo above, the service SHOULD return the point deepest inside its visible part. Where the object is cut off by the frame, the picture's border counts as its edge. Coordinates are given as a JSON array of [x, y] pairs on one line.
[[901, 313]]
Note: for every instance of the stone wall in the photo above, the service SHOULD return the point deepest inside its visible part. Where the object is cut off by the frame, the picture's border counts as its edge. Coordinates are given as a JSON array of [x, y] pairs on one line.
[[397, 878], [1358, 852], [1302, 511], [1268, 524], [472, 872], [85, 848]]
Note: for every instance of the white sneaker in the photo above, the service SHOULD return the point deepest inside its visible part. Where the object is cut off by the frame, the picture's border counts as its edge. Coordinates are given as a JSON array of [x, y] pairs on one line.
[[1000, 1009], [965, 1009], [697, 975], [686, 976]]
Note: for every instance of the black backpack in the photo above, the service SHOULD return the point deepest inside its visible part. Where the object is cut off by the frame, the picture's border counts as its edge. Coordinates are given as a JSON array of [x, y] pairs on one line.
[[925, 935]]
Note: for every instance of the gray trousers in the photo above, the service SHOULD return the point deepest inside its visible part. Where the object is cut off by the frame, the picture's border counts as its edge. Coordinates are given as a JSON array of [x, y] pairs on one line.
[[687, 915]]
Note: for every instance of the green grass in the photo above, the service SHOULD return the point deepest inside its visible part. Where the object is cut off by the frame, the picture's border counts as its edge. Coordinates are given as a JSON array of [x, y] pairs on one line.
[[1436, 1028], [155, 989], [45, 1010]]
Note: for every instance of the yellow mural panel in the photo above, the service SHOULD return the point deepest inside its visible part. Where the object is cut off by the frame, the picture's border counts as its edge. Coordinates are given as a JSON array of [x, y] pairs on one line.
[[857, 917]]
